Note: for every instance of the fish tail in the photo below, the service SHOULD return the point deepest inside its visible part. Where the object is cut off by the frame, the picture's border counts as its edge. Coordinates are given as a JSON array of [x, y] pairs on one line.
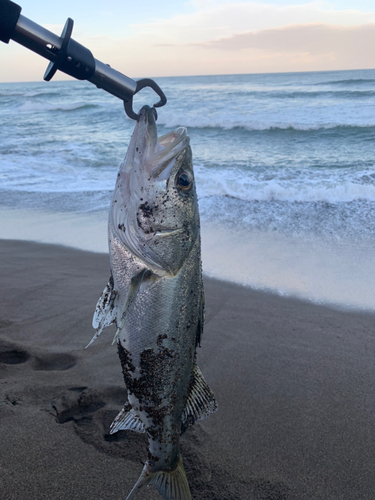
[[172, 485]]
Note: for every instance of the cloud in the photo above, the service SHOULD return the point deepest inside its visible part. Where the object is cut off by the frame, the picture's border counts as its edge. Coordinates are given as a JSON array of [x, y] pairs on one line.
[[212, 20], [315, 39], [301, 47], [220, 36]]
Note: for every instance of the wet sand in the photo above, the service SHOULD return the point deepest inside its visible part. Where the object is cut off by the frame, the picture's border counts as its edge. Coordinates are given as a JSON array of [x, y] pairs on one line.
[[294, 383]]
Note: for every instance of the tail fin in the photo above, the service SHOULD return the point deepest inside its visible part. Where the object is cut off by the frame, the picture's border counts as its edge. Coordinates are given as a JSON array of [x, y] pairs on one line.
[[172, 485]]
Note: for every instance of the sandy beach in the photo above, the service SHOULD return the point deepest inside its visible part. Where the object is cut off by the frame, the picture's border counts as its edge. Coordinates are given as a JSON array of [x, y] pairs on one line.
[[294, 382]]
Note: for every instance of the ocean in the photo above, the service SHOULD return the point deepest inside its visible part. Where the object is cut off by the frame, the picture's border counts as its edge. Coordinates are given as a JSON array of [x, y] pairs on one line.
[[284, 167]]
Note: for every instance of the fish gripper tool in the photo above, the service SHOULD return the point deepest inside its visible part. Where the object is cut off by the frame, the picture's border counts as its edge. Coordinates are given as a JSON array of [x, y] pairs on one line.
[[70, 57]]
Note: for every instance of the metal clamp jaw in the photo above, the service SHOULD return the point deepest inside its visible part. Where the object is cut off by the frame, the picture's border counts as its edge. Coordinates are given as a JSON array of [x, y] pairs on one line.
[[141, 84], [70, 57]]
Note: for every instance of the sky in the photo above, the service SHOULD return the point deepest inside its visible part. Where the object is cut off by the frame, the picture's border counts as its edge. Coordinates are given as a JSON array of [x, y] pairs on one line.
[[153, 38]]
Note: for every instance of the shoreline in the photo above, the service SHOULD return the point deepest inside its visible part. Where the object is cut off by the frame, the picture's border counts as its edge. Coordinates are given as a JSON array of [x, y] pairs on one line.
[[294, 383], [341, 275]]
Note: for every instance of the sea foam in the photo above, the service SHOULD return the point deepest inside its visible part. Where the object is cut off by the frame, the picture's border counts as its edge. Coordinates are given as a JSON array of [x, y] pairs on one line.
[[287, 157]]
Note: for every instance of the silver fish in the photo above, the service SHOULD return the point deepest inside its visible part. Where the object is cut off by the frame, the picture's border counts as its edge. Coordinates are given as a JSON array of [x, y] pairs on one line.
[[155, 296]]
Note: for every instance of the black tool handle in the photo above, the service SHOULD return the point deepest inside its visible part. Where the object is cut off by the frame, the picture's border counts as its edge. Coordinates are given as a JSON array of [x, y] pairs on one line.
[[65, 54], [69, 56], [9, 15]]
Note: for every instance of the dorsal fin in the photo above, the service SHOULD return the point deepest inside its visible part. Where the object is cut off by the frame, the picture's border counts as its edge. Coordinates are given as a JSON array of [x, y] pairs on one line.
[[200, 402], [105, 311], [200, 324]]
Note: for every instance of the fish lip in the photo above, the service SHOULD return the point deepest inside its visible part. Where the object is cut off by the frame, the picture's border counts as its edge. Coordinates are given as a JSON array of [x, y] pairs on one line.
[[160, 232], [149, 112], [147, 134], [167, 231]]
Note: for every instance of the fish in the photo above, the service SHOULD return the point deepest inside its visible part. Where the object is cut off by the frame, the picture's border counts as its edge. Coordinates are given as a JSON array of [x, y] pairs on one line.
[[155, 297]]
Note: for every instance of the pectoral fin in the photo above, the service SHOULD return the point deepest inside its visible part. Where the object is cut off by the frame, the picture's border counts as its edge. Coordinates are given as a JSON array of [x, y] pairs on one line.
[[105, 311], [201, 401], [135, 284]]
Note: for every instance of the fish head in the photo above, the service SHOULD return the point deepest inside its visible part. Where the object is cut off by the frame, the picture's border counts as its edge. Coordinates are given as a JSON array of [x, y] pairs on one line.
[[154, 210]]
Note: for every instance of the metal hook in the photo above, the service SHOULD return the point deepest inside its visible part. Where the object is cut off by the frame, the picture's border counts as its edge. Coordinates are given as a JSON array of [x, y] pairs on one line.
[[141, 84]]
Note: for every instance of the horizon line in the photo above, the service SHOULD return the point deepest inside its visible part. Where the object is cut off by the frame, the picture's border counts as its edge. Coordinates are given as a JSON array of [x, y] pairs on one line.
[[68, 79]]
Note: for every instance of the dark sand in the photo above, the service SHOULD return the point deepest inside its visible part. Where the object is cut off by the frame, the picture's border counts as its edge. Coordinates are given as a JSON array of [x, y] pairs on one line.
[[294, 382]]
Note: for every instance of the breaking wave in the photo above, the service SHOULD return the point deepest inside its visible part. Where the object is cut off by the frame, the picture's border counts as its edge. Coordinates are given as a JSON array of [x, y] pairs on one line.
[[275, 191], [350, 81], [223, 123], [31, 107], [306, 94], [282, 144], [327, 187]]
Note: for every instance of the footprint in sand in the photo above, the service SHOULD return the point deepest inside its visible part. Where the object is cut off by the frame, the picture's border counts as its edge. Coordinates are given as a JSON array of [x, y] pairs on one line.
[[77, 404], [4, 323], [12, 355], [92, 411], [54, 361], [89, 412]]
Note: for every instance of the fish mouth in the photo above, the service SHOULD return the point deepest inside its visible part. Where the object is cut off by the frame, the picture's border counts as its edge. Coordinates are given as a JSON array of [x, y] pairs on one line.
[[159, 153], [143, 177], [170, 146]]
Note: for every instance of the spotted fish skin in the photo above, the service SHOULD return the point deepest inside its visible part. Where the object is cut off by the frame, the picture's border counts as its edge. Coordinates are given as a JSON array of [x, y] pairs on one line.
[[158, 367], [155, 296]]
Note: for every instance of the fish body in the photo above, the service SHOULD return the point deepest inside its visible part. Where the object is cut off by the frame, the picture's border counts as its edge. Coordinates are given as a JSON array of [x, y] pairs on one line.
[[155, 296]]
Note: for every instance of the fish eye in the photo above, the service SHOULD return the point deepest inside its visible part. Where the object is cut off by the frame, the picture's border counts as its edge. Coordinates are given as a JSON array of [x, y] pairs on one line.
[[184, 181]]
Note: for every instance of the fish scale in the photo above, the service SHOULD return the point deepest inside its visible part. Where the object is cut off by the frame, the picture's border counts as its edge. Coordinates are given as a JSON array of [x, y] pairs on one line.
[[155, 297]]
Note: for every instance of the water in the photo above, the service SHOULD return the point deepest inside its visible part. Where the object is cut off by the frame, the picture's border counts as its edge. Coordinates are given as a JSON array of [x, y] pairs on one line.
[[284, 168]]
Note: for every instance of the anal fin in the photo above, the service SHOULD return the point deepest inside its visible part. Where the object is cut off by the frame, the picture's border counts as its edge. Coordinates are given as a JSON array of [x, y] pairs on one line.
[[127, 420], [201, 401]]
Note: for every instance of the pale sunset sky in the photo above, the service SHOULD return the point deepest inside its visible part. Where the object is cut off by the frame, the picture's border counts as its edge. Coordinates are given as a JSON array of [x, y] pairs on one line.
[[200, 37]]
